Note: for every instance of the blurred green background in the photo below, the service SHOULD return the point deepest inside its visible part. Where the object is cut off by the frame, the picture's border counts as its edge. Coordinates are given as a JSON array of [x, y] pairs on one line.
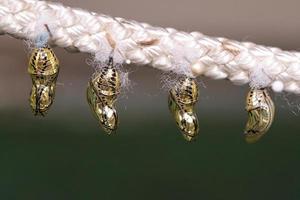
[[66, 155]]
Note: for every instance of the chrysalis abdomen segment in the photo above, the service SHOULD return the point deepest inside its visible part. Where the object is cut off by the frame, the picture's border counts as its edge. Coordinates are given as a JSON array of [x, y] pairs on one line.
[[102, 93], [261, 111], [182, 99], [43, 68]]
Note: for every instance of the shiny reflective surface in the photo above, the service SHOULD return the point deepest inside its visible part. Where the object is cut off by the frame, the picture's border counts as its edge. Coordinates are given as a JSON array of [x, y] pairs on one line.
[[71, 160], [102, 92], [43, 68], [182, 98], [261, 110]]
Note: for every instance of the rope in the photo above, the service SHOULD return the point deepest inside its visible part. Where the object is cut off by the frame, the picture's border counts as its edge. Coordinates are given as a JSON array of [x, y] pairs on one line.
[[192, 54]]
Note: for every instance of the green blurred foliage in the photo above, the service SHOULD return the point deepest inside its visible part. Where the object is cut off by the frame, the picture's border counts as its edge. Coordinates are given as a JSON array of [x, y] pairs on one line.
[[67, 156]]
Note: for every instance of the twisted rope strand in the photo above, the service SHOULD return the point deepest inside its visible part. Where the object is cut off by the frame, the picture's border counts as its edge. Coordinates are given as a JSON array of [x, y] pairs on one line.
[[192, 54]]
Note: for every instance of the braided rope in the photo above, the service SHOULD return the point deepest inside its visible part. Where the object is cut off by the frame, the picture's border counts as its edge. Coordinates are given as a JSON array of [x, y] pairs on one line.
[[192, 54]]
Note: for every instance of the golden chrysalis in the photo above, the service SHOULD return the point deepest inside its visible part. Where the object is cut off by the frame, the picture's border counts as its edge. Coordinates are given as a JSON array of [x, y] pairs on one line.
[[43, 68], [261, 110], [102, 92], [182, 98]]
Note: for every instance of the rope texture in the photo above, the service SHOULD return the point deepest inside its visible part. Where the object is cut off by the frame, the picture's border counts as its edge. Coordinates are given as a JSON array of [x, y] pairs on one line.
[[192, 54]]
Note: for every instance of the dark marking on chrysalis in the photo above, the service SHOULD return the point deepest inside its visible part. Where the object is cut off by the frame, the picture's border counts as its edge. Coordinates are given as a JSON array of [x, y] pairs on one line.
[[182, 99], [261, 111], [102, 92], [43, 68]]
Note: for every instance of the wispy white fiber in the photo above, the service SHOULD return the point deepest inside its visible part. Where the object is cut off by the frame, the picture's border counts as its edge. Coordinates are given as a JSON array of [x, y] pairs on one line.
[[192, 54]]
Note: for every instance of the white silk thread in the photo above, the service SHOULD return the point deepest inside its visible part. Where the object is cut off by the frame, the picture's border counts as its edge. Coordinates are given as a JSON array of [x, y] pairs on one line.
[[192, 54]]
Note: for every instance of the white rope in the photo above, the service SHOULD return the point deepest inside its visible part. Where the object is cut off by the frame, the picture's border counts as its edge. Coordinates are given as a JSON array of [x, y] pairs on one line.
[[192, 54]]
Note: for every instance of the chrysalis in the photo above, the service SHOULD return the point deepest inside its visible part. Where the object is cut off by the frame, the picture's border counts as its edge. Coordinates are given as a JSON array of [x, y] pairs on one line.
[[43, 68], [182, 98], [102, 93], [261, 110]]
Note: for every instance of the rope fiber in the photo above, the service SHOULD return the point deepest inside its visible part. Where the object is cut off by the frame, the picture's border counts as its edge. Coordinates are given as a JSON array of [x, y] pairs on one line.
[[192, 54]]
